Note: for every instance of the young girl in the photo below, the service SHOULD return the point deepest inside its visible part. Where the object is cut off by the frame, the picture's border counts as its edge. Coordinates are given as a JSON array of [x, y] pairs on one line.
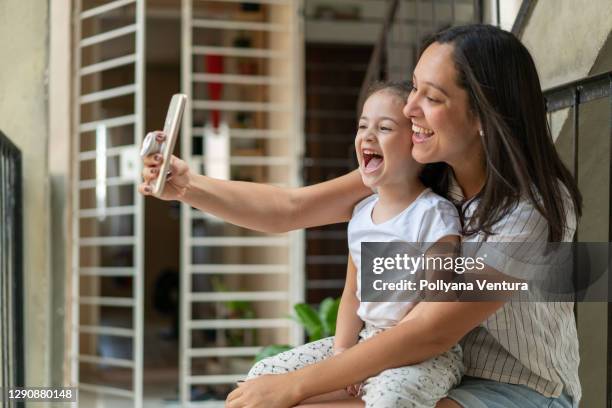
[[403, 209]]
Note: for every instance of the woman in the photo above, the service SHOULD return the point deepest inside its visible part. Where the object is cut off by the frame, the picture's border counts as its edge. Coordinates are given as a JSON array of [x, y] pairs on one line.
[[477, 106]]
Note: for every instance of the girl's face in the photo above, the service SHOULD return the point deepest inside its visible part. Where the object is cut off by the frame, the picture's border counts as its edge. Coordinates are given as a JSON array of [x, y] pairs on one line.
[[383, 142], [445, 129]]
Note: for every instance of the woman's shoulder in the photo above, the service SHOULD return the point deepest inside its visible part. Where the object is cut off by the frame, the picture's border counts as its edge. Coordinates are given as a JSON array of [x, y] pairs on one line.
[[523, 222]]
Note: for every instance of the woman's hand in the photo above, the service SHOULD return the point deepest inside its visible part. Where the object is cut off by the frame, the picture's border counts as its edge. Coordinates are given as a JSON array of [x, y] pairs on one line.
[[354, 390], [267, 391], [177, 179]]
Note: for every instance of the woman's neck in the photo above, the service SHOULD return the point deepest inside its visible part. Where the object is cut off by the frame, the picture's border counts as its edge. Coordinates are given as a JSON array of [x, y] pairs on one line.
[[470, 176]]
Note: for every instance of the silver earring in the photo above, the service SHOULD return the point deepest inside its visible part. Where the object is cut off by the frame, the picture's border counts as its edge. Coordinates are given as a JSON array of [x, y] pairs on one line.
[[481, 133]]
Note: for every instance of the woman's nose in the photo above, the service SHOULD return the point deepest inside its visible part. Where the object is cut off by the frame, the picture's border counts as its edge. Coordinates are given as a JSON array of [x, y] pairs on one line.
[[411, 109]]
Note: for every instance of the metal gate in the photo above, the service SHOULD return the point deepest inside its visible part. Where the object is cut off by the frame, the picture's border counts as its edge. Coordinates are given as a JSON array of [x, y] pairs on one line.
[[11, 269], [242, 71], [107, 292]]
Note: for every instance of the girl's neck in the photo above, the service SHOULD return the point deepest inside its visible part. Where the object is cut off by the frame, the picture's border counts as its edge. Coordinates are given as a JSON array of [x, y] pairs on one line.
[[393, 198]]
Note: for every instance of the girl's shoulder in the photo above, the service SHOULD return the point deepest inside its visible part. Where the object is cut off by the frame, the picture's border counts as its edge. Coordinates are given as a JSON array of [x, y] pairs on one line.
[[365, 203]]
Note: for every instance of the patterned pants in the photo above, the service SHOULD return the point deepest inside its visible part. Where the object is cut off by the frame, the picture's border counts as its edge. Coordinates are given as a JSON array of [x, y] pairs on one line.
[[416, 386]]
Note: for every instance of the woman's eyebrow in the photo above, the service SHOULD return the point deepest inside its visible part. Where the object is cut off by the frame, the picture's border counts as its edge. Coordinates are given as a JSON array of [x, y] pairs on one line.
[[432, 85]]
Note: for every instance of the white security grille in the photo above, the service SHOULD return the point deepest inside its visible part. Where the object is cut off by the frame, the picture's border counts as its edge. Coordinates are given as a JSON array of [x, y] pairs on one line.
[[242, 71], [107, 292]]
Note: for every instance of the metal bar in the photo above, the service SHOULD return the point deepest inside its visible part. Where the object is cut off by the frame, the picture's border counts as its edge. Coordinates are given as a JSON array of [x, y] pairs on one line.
[[108, 64], [107, 241], [138, 254], [609, 356], [257, 161], [109, 123], [239, 79], [238, 52], [100, 389], [75, 261], [108, 94], [110, 152], [186, 224], [249, 133], [374, 64], [237, 25], [223, 351], [92, 12], [107, 271], [562, 96], [497, 13], [222, 241], [110, 182], [273, 2], [106, 212], [223, 269], [237, 324], [109, 35], [111, 361], [214, 379], [107, 301], [105, 331], [239, 106], [237, 296], [522, 17], [575, 131]]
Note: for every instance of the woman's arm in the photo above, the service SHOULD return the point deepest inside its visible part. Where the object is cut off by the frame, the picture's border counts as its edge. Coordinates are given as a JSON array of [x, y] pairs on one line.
[[259, 206], [349, 324], [432, 328]]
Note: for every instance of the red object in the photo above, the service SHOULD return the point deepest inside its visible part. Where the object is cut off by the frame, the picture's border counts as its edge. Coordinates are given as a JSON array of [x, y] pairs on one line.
[[214, 65]]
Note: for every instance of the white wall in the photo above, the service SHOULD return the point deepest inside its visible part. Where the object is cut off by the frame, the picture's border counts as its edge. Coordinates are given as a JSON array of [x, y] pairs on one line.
[[566, 38], [23, 118]]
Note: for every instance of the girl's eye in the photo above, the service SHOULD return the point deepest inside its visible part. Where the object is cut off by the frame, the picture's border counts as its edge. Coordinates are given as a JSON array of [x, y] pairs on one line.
[[432, 99], [386, 129], [361, 126]]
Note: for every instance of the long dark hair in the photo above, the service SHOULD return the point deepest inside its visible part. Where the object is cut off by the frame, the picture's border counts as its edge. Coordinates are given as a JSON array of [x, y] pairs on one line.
[[502, 83]]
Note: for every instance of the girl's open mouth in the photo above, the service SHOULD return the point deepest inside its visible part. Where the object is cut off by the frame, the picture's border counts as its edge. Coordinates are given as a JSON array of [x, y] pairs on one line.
[[372, 161]]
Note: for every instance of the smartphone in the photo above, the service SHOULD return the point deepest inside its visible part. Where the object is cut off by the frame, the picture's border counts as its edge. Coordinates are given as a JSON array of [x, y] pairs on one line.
[[171, 129]]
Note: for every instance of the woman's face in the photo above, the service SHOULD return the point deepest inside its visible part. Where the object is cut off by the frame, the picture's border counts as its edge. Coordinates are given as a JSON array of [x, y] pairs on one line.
[[444, 128]]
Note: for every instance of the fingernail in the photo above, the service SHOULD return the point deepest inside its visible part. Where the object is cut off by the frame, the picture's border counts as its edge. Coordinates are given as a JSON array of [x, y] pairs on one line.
[[158, 157], [154, 171], [160, 137]]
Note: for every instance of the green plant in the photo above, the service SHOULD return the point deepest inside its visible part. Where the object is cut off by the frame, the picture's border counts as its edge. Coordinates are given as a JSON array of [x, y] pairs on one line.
[[318, 324]]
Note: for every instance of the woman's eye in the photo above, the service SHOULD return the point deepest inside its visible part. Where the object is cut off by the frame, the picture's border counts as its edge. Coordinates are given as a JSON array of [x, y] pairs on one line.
[[432, 99], [361, 127]]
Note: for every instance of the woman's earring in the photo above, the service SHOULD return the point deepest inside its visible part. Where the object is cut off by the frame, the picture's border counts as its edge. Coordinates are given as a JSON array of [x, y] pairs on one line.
[[481, 133]]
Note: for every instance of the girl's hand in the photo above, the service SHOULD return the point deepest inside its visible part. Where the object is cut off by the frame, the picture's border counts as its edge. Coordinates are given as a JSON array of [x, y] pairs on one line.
[[177, 179], [267, 391]]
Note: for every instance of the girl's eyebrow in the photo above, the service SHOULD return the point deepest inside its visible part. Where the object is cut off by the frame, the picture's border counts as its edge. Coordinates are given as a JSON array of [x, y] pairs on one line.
[[382, 118]]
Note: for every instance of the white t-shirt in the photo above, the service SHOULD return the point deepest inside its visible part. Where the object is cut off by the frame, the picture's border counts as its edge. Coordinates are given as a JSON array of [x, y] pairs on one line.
[[429, 218]]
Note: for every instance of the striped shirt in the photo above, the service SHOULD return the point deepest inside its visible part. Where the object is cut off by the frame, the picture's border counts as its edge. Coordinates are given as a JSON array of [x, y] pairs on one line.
[[529, 343]]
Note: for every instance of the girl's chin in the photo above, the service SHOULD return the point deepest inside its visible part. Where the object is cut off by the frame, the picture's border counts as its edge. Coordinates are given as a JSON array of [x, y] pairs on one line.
[[369, 181]]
